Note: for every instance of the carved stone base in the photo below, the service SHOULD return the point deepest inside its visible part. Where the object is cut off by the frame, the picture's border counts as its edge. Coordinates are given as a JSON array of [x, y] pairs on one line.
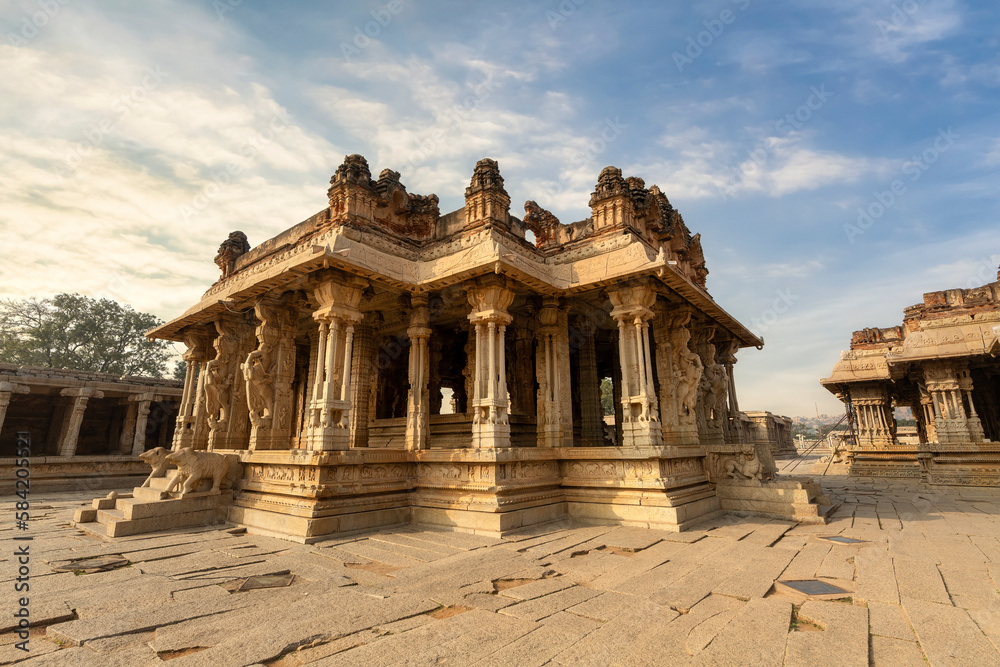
[[76, 473], [641, 434]]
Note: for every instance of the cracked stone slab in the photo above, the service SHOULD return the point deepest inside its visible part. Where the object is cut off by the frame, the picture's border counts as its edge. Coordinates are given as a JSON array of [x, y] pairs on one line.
[[539, 608], [755, 636], [756, 577], [844, 634], [622, 640], [896, 652], [80, 631], [948, 635], [876, 576], [539, 646], [920, 580], [888, 620], [706, 620], [537, 589]]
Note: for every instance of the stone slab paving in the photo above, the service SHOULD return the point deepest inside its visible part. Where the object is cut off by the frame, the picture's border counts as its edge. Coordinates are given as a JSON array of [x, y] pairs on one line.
[[923, 589]]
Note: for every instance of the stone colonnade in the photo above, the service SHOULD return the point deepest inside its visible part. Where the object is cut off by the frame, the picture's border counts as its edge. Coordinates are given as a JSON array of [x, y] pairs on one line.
[[943, 405], [246, 395], [130, 407]]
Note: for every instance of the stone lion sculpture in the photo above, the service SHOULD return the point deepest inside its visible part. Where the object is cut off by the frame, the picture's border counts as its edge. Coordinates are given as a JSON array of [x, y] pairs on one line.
[[157, 459], [194, 466]]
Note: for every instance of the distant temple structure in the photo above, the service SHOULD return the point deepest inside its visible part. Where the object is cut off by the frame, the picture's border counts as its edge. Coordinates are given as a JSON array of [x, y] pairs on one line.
[[380, 363], [944, 364], [86, 429]]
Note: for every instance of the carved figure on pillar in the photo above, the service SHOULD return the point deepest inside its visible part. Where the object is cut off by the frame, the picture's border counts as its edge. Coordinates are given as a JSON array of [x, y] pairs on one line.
[[226, 407], [192, 425], [679, 371], [269, 371]]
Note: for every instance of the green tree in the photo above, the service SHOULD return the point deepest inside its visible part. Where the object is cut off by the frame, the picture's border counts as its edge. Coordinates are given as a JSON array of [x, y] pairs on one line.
[[607, 396], [78, 332], [180, 370]]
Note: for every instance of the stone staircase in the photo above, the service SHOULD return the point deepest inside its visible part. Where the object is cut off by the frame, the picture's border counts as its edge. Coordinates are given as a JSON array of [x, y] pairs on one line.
[[149, 509], [789, 498]]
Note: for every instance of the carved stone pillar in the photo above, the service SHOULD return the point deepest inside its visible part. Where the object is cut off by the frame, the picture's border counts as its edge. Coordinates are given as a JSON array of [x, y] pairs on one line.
[[731, 421], [361, 383], [192, 420], [876, 424], [330, 408], [142, 402], [554, 404], [226, 410], [269, 371], [490, 403], [418, 398], [591, 412], [127, 436], [679, 371], [8, 389], [949, 385], [713, 389], [927, 410], [616, 394], [69, 435], [963, 399], [469, 372], [632, 311]]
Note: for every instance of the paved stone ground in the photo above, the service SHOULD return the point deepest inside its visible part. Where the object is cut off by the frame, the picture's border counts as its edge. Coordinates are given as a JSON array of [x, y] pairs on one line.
[[923, 588]]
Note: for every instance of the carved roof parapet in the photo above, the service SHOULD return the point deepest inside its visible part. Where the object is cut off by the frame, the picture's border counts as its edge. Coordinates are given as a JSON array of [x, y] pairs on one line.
[[486, 201], [881, 337], [609, 184], [354, 170], [485, 176], [230, 250], [542, 223]]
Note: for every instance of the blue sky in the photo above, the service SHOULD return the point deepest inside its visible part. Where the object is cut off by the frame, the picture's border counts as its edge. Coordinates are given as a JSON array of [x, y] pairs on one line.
[[136, 136]]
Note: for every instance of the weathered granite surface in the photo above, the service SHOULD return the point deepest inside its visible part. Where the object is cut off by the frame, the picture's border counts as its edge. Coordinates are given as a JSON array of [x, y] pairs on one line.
[[923, 585]]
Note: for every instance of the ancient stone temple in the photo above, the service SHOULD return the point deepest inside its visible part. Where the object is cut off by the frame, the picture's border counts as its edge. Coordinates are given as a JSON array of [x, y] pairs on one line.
[[943, 364], [382, 362]]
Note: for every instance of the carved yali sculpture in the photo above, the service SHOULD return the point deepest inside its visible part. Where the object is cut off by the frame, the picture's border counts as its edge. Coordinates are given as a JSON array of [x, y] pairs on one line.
[[192, 467], [157, 459], [745, 464]]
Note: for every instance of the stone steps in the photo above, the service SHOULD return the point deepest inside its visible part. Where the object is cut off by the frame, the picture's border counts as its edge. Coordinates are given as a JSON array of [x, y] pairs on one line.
[[135, 514], [790, 499]]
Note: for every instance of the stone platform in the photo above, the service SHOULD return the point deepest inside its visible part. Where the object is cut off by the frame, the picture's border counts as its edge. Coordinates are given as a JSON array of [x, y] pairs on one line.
[[921, 589]]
